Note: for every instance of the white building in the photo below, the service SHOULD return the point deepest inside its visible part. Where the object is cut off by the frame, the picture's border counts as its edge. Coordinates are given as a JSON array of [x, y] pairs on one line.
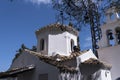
[[110, 43], [57, 58]]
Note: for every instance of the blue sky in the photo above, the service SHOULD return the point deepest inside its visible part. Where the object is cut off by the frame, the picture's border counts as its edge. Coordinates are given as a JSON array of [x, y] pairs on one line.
[[19, 20]]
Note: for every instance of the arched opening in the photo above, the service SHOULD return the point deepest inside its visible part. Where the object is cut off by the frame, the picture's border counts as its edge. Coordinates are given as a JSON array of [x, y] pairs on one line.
[[118, 34], [72, 44], [112, 16], [42, 44], [110, 38]]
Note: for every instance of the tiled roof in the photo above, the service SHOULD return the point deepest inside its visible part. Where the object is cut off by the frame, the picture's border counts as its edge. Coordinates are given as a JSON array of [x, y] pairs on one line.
[[58, 26], [58, 61], [92, 65], [55, 62], [96, 63], [13, 72], [58, 58]]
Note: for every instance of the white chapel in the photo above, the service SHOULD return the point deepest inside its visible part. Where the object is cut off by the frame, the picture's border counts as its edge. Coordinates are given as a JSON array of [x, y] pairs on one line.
[[57, 57]]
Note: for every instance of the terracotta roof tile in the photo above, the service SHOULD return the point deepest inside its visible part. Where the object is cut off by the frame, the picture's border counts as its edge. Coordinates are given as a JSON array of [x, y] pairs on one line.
[[53, 61], [58, 26], [96, 62], [14, 71]]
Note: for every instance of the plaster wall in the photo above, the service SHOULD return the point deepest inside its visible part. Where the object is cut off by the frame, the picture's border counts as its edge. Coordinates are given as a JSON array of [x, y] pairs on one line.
[[56, 41], [89, 54], [26, 59], [108, 26], [61, 43], [43, 35], [105, 75], [111, 55]]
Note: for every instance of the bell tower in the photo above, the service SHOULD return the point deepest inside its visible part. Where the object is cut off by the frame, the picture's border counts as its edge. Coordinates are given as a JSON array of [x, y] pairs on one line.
[[56, 39], [111, 29], [109, 45]]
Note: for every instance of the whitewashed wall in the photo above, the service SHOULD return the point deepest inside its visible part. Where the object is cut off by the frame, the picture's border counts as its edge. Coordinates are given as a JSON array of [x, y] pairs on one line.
[[105, 75], [101, 74], [43, 35], [108, 53], [40, 67], [56, 41], [61, 43], [111, 55], [87, 55], [108, 26]]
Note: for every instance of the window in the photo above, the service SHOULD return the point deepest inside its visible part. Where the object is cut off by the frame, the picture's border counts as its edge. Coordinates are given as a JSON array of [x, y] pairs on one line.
[[110, 38], [118, 34], [42, 44], [72, 44], [43, 77]]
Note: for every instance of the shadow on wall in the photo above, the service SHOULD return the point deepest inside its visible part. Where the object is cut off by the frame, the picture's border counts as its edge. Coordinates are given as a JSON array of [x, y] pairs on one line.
[[118, 78]]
